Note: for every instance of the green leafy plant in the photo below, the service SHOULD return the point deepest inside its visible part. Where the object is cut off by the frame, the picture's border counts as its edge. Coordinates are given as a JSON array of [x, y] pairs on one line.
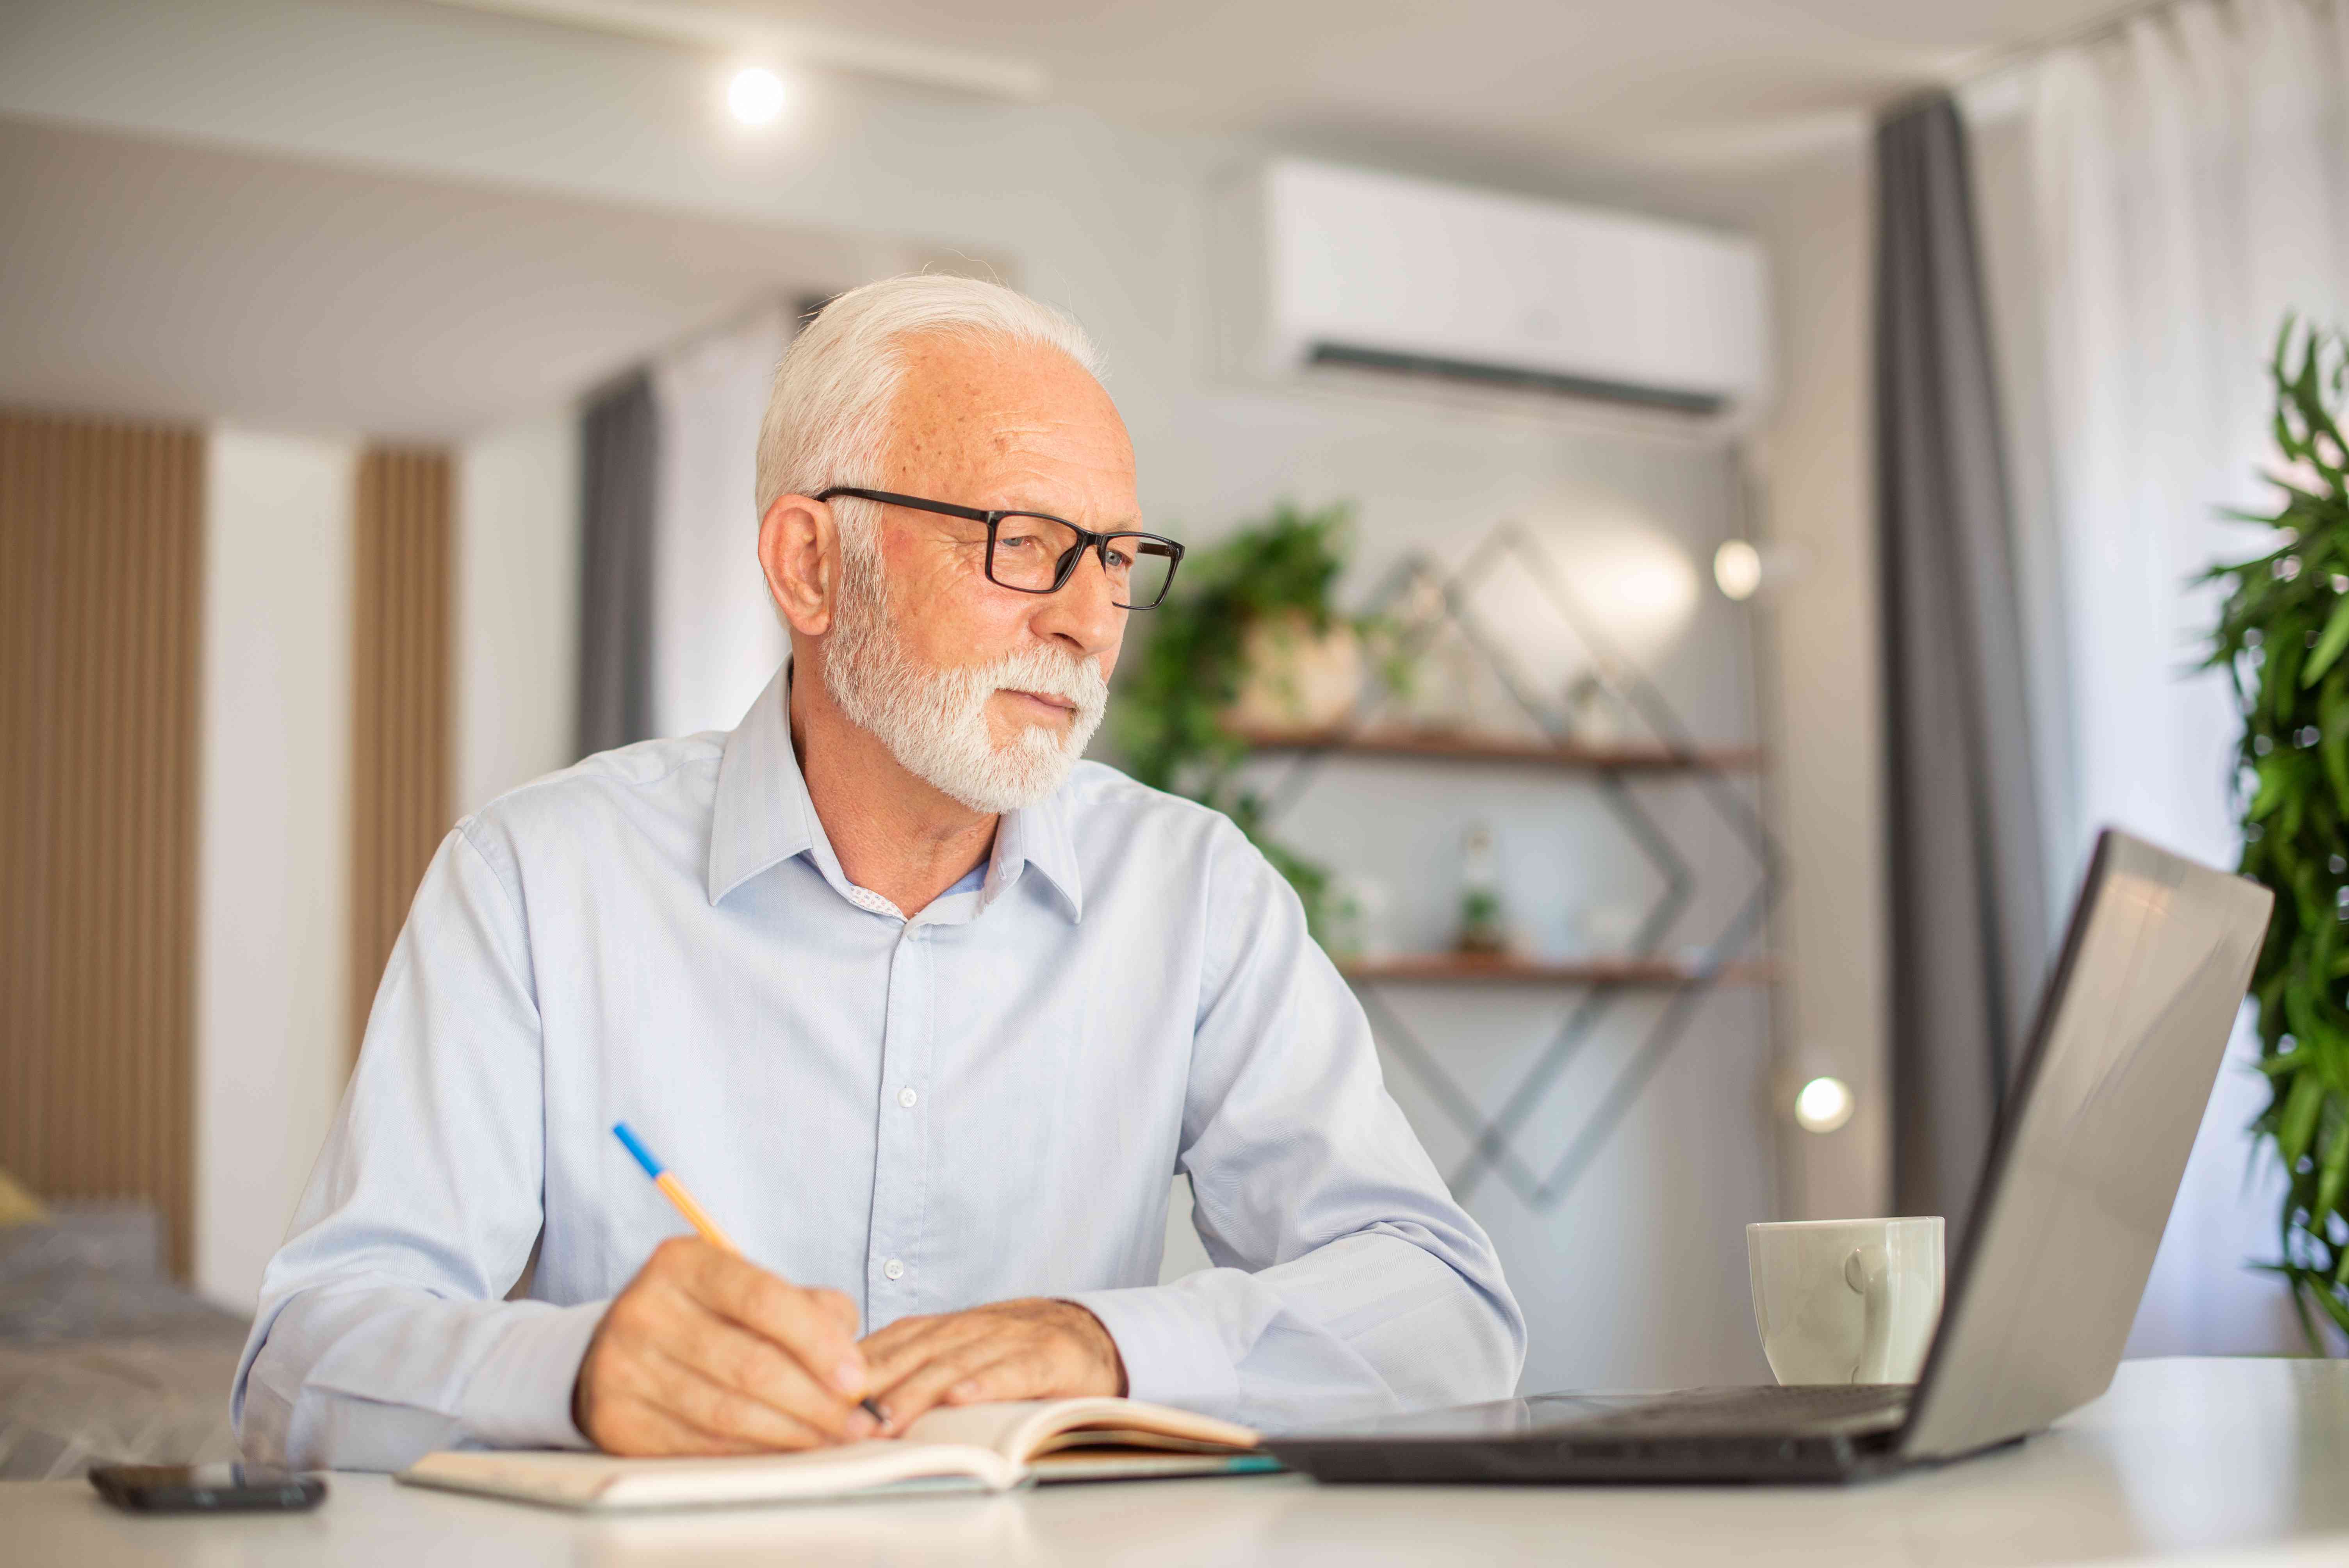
[[2280, 637], [1168, 723]]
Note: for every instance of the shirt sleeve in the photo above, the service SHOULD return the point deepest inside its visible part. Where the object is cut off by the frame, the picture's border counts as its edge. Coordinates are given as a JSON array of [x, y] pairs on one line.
[[382, 1332], [1348, 1283]]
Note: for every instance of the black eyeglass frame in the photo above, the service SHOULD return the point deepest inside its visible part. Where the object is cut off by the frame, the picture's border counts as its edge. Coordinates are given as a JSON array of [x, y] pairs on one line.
[[1064, 569]]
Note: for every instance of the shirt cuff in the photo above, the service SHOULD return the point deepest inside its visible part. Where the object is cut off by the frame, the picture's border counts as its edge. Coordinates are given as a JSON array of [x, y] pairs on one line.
[[1172, 1353], [519, 1396]]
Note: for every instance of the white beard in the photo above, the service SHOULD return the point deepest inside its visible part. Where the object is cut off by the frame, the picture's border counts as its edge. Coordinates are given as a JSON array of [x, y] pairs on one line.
[[934, 721]]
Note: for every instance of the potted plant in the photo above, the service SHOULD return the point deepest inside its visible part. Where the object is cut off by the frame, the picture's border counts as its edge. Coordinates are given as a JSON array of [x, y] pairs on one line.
[[1248, 640], [2280, 638]]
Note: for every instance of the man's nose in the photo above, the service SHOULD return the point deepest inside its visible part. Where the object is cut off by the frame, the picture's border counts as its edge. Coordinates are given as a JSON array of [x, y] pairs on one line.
[[1085, 612]]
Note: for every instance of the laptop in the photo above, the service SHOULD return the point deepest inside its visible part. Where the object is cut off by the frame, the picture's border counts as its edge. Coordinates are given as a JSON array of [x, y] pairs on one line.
[[2131, 1028]]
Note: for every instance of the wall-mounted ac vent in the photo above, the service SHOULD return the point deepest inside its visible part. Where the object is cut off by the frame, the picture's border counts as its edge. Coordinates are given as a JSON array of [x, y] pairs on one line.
[[1367, 272]]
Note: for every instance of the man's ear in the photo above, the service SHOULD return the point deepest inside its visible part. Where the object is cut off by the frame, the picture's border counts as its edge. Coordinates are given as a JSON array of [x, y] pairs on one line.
[[799, 549]]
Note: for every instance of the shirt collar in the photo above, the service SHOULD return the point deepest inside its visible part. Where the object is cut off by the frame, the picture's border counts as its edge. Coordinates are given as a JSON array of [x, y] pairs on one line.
[[763, 816], [1038, 836]]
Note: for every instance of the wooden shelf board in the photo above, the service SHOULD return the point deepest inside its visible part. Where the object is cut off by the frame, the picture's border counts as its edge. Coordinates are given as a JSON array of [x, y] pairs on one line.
[[1458, 747], [1456, 969]]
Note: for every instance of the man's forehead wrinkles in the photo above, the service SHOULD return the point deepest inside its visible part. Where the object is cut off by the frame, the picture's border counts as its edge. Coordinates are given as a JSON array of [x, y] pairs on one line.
[[1007, 432]]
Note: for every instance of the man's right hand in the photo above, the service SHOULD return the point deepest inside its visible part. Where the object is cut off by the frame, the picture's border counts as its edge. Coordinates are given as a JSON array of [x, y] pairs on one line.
[[705, 1354]]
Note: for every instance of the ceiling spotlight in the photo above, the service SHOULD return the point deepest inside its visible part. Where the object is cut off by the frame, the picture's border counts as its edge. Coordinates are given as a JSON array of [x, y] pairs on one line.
[[1823, 1105], [756, 95]]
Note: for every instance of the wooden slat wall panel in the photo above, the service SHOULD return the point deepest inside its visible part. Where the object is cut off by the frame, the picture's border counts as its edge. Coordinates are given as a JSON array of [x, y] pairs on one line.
[[101, 563], [401, 714]]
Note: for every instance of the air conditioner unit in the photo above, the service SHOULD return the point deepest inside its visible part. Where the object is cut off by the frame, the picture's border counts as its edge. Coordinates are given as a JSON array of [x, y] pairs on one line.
[[1368, 272]]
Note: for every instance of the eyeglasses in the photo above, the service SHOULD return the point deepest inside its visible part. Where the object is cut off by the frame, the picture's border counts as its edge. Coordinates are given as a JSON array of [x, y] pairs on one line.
[[1030, 553]]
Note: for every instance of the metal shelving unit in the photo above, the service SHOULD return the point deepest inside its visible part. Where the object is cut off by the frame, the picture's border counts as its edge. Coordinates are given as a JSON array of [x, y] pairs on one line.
[[1619, 773], [1469, 968], [1456, 746]]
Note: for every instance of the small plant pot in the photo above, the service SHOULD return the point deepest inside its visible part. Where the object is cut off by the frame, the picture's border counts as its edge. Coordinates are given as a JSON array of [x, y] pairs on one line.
[[1295, 678]]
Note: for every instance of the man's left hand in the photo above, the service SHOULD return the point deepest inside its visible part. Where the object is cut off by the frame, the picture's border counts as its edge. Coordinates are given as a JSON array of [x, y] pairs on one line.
[[1028, 1349]]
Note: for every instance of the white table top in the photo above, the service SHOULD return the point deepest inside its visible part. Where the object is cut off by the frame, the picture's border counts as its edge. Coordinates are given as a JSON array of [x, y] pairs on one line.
[[2205, 1461]]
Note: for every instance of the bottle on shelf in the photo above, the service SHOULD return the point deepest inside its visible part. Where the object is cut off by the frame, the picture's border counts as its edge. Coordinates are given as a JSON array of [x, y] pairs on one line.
[[1484, 923], [1356, 909], [1596, 713]]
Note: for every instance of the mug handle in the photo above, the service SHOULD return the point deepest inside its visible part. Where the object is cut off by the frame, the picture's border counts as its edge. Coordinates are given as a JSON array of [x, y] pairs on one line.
[[1866, 1271]]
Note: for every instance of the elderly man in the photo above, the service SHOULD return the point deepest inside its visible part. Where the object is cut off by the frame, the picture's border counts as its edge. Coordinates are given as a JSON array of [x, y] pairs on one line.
[[926, 1011]]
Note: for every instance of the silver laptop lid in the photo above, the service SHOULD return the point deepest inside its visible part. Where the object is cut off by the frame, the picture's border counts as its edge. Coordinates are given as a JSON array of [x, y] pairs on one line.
[[2080, 1179]]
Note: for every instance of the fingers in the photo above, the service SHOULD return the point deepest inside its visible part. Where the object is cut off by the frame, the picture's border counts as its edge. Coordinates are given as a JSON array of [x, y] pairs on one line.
[[929, 1367], [986, 1366], [704, 1353], [726, 1409], [893, 1353], [732, 1360], [1026, 1349], [628, 1400], [1026, 1375], [656, 1403], [811, 1325], [1014, 1350], [885, 1348]]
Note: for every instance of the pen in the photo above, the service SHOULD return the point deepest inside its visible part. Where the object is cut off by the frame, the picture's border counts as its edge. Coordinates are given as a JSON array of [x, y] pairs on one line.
[[695, 1215]]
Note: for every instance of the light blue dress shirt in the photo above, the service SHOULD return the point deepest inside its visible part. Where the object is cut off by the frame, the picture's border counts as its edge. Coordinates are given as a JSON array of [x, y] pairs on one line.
[[988, 1100]]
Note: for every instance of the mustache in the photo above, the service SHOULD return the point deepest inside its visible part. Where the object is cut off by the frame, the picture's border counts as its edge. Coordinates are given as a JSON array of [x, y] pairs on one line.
[[1047, 672]]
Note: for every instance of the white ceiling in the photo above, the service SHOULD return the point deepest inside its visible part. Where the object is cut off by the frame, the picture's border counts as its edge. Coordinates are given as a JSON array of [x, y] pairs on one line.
[[175, 281], [179, 281], [1656, 81]]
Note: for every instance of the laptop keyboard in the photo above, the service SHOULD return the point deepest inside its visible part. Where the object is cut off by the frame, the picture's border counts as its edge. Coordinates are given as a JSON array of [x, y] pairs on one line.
[[1765, 1409]]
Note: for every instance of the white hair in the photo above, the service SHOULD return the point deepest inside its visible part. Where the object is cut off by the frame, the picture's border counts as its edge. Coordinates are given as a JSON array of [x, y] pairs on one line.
[[828, 417]]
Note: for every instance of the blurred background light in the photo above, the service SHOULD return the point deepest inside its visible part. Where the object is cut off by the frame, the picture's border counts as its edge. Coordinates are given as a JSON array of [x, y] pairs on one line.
[[1823, 1105], [756, 95], [899, 55], [1638, 581], [1737, 569], [1742, 569]]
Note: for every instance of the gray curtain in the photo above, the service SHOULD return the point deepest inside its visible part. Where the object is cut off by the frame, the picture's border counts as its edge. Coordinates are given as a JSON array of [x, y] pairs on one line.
[[619, 462], [1968, 931]]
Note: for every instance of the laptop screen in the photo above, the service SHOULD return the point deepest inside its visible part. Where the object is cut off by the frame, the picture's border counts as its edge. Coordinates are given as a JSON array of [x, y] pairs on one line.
[[2094, 1140]]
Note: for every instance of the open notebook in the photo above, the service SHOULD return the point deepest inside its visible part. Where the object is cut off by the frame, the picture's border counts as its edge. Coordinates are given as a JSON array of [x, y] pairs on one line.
[[995, 1447]]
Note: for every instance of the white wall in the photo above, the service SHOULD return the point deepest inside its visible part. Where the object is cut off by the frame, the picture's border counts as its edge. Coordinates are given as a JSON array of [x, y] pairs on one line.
[[716, 638], [1820, 671], [517, 563], [273, 880], [274, 903]]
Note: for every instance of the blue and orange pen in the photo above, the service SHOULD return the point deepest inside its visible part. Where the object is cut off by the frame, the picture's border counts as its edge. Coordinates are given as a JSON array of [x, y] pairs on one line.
[[695, 1215]]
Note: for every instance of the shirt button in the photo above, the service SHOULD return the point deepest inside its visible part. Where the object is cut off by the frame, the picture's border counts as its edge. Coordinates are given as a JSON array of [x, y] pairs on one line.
[[894, 1269], [907, 1097]]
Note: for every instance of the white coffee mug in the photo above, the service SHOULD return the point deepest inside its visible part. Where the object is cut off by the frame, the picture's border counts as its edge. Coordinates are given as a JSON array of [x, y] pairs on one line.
[[1846, 1301]]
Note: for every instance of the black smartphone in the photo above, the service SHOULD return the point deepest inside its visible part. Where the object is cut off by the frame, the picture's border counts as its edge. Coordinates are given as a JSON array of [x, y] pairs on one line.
[[204, 1489]]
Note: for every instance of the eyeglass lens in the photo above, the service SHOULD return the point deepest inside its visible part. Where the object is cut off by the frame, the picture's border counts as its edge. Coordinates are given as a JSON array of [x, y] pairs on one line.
[[1028, 550]]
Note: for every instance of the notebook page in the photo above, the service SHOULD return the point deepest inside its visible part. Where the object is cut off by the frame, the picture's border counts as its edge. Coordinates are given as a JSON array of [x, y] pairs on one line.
[[599, 1480], [1020, 1430]]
